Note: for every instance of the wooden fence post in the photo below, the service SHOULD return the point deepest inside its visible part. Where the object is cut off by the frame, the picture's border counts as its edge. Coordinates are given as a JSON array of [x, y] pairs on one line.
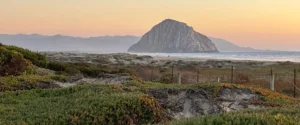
[[172, 74], [272, 80], [295, 80], [231, 74], [198, 73], [151, 77], [179, 78]]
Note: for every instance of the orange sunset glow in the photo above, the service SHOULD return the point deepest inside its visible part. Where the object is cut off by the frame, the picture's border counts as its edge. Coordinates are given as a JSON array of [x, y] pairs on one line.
[[263, 24]]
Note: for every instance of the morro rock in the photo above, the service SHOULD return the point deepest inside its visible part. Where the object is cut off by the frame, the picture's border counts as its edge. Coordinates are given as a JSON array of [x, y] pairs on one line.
[[171, 36]]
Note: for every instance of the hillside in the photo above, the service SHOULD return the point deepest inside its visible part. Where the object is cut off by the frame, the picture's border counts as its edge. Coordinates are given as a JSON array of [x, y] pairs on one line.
[[35, 90]]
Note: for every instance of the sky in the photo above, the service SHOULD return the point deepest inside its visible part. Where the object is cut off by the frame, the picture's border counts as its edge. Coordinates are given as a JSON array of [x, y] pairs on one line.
[[262, 24]]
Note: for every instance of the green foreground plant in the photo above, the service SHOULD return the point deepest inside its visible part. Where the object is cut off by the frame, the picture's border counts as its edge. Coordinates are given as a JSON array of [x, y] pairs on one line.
[[88, 104]]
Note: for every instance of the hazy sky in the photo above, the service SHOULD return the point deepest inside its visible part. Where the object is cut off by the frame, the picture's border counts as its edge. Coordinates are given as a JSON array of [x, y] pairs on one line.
[[268, 24]]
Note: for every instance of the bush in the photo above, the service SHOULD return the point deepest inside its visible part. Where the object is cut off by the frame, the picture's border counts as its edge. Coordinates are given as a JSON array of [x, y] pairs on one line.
[[36, 58], [86, 69], [12, 63], [24, 82], [71, 71], [56, 66], [60, 78], [167, 78], [86, 104]]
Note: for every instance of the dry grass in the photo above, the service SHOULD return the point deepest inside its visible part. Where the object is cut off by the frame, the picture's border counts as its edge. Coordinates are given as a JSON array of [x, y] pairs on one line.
[[255, 77]]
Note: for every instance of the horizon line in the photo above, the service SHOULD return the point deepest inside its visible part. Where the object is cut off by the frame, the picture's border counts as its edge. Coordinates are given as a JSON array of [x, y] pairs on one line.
[[31, 34]]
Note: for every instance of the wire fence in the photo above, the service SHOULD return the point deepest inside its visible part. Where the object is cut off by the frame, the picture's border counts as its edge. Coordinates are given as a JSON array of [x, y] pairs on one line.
[[287, 82]]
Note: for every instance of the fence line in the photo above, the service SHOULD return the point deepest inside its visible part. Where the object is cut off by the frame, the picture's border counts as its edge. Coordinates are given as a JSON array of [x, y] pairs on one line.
[[280, 82]]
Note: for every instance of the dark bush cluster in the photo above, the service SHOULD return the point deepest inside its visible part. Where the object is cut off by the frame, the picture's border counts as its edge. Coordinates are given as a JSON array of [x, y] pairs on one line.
[[36, 58], [15, 60], [12, 62], [86, 69]]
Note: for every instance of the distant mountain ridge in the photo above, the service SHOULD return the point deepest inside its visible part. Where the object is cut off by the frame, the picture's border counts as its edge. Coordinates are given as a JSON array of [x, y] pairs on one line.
[[38, 42], [226, 46], [171, 36]]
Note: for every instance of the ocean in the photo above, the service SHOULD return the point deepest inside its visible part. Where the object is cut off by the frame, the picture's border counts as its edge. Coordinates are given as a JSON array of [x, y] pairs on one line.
[[255, 56]]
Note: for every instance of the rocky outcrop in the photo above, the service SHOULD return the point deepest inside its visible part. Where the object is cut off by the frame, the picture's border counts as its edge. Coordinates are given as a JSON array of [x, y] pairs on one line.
[[230, 99], [171, 36], [185, 103]]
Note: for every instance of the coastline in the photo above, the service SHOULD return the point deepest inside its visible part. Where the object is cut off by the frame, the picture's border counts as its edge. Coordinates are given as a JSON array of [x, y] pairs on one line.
[[232, 56]]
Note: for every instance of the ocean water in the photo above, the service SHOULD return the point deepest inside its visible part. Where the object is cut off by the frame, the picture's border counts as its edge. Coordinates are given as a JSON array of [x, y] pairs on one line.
[[255, 56]]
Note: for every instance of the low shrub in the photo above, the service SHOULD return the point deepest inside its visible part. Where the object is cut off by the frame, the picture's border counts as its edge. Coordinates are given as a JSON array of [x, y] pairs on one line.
[[60, 78], [275, 116], [57, 66], [24, 82], [12, 63], [85, 104], [36, 58], [167, 78], [89, 70]]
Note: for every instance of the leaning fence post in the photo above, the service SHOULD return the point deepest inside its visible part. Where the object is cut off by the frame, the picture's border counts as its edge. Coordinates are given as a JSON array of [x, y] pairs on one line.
[[179, 78]]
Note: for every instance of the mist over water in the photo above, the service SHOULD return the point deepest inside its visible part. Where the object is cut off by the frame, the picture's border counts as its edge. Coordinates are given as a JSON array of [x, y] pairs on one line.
[[255, 56]]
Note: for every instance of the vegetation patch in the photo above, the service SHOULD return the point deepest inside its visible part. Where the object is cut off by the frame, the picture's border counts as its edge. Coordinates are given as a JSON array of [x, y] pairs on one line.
[[12, 63], [86, 69], [88, 104], [36, 58], [128, 103], [269, 116], [24, 82], [271, 98]]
